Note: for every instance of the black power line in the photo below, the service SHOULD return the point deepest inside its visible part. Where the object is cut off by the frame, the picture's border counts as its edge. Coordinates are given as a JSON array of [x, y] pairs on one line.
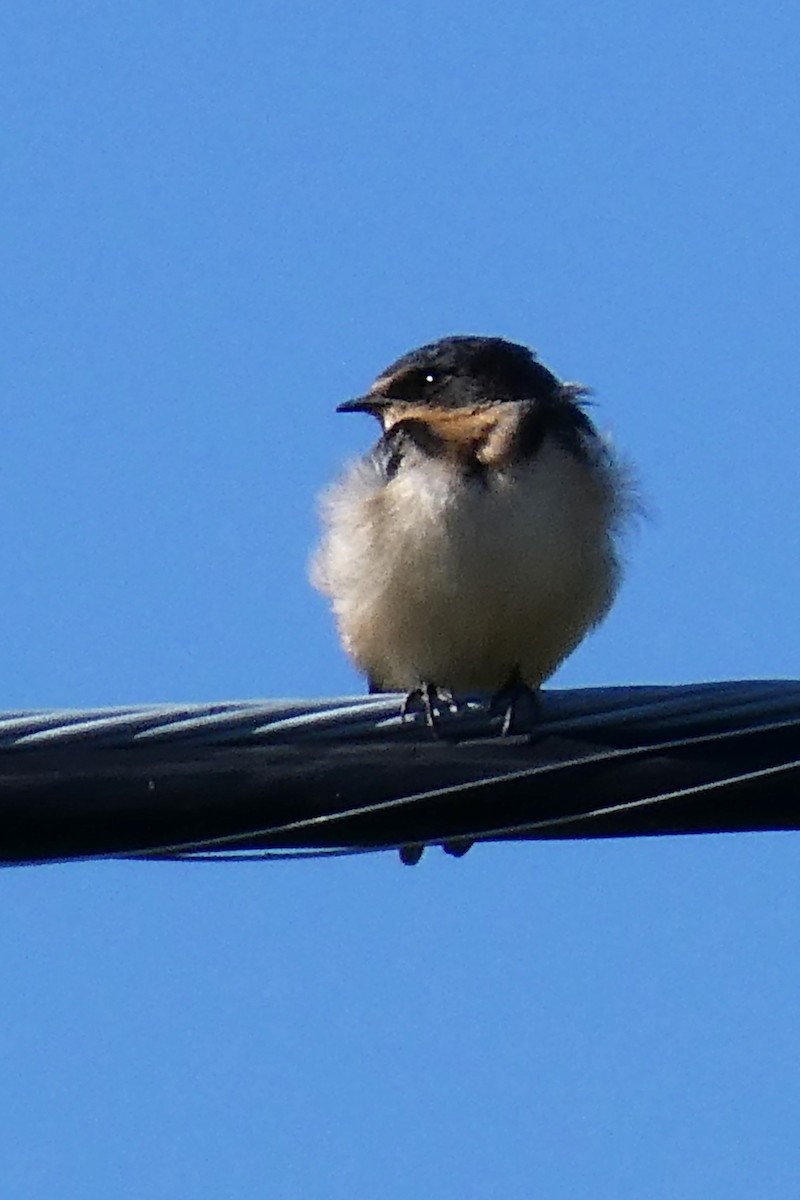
[[349, 775]]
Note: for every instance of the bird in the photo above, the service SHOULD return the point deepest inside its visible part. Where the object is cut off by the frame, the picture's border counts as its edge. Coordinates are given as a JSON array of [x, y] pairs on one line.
[[478, 542]]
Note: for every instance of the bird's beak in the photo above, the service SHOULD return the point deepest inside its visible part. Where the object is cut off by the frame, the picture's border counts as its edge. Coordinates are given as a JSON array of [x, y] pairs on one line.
[[371, 403]]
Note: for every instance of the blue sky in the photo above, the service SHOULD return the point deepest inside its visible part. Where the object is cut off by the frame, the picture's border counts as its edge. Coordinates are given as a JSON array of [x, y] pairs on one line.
[[216, 222]]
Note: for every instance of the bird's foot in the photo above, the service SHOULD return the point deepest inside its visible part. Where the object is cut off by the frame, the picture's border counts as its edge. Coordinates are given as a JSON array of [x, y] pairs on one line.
[[412, 853], [458, 847], [518, 703], [434, 702], [431, 700]]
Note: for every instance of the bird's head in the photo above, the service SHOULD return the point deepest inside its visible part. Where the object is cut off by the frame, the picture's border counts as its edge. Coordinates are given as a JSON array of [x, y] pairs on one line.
[[457, 372]]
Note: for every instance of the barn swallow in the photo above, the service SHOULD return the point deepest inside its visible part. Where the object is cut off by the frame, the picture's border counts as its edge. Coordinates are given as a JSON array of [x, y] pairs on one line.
[[477, 544]]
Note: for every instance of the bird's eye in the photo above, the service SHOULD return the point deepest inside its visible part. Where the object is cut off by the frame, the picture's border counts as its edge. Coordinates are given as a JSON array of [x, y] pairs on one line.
[[412, 384], [421, 378]]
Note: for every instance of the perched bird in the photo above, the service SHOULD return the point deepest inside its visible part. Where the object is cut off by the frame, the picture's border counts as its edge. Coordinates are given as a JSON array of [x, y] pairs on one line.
[[476, 545]]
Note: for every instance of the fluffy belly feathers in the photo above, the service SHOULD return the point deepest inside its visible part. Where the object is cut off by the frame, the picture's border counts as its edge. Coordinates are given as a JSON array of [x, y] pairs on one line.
[[439, 578]]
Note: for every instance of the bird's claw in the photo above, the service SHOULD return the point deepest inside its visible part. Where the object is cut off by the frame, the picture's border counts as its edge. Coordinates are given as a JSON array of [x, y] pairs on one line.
[[519, 705], [456, 847], [411, 854], [431, 700]]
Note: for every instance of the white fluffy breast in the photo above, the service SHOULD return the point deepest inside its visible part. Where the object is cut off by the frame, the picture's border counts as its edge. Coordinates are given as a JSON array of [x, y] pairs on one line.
[[436, 577]]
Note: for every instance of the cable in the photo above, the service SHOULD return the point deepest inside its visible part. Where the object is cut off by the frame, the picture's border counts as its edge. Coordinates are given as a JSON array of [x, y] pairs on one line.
[[244, 781]]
